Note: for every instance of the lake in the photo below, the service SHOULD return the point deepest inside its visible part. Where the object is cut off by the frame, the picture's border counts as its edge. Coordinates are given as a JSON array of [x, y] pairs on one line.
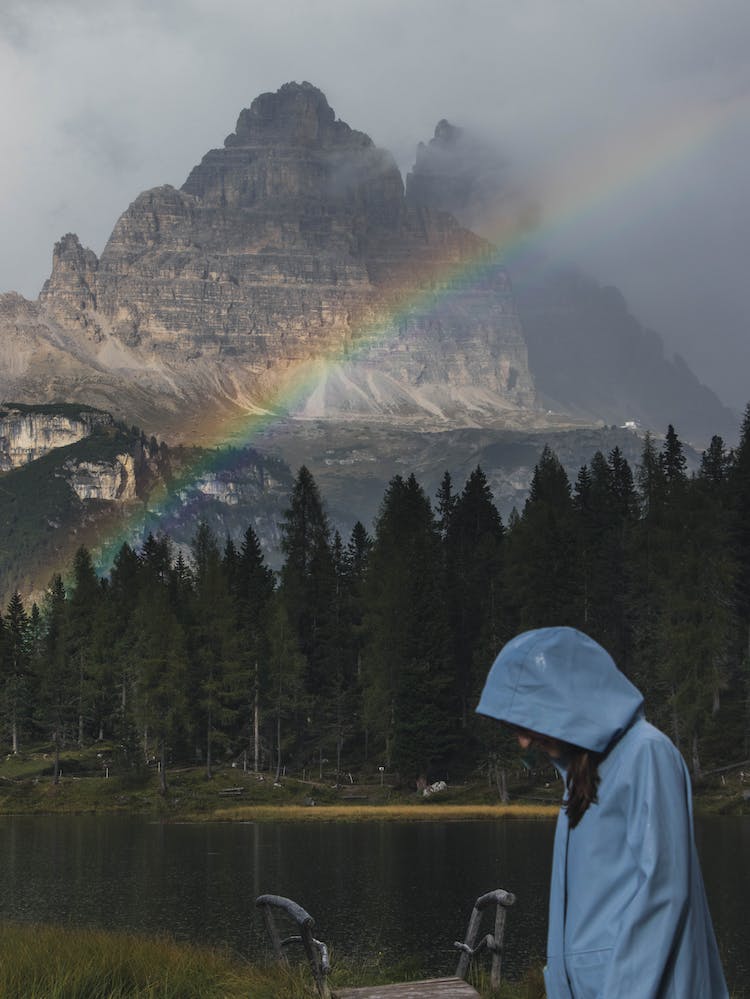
[[396, 889]]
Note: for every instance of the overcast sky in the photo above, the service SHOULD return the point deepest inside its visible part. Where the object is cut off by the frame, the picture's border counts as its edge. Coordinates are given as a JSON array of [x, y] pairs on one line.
[[629, 121]]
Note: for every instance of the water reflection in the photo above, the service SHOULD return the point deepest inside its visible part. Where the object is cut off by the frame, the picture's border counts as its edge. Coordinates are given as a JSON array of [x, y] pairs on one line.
[[397, 888]]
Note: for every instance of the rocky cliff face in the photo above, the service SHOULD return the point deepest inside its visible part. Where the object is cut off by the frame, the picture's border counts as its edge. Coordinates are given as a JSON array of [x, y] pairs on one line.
[[27, 433], [293, 244], [588, 355], [117, 485], [112, 481]]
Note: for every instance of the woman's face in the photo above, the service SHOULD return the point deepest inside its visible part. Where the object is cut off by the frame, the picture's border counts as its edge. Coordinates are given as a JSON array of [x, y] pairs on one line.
[[528, 739]]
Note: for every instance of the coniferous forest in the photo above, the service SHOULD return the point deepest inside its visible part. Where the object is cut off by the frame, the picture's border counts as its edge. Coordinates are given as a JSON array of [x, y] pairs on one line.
[[371, 651]]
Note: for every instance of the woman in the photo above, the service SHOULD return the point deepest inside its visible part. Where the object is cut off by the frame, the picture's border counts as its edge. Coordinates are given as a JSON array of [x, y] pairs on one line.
[[627, 916]]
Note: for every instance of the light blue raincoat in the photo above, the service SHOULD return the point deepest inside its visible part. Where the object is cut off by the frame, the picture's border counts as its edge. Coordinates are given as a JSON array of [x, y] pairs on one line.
[[628, 916]]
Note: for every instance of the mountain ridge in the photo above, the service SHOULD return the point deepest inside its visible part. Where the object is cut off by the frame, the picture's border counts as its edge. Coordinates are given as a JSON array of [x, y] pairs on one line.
[[291, 243]]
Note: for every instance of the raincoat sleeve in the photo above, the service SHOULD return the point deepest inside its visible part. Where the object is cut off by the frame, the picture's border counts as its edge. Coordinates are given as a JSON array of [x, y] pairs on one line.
[[660, 841]]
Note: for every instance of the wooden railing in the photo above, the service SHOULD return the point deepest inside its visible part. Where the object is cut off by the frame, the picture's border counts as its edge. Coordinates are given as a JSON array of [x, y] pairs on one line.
[[317, 952]]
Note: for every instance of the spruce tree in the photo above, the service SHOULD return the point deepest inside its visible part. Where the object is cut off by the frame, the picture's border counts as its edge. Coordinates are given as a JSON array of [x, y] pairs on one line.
[[122, 598], [159, 646], [541, 551], [254, 586], [474, 590], [57, 700], [287, 683], [215, 645], [86, 642], [739, 499], [408, 684], [308, 583], [604, 503], [15, 670], [355, 569], [446, 502]]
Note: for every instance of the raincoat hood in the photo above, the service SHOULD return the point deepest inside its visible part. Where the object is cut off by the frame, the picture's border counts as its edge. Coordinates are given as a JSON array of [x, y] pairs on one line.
[[561, 683]]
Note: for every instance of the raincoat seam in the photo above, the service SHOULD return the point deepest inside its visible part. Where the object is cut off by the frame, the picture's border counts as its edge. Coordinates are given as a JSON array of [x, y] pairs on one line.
[[522, 667]]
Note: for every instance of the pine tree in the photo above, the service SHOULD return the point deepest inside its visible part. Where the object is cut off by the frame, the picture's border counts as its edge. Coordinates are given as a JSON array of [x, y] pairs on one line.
[[474, 567], [739, 499], [673, 461], [254, 587], [160, 652], [122, 598], [287, 666], [446, 502], [15, 669], [605, 506], [308, 583], [646, 556], [541, 551], [407, 667], [217, 662], [85, 640], [716, 464], [355, 569], [58, 682]]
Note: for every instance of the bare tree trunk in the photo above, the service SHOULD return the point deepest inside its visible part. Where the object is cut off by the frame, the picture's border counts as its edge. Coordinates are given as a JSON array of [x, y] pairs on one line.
[[697, 769], [502, 785], [56, 768], [209, 772], [163, 767], [80, 702], [256, 724], [675, 721], [278, 743], [14, 732]]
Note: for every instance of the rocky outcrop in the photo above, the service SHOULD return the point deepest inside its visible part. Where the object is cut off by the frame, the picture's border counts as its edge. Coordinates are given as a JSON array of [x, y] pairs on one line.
[[292, 245], [116, 486], [293, 273], [112, 481], [27, 433], [589, 356]]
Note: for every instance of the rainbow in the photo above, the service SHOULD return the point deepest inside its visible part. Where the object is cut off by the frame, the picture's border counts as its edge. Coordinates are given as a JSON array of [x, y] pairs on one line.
[[569, 192]]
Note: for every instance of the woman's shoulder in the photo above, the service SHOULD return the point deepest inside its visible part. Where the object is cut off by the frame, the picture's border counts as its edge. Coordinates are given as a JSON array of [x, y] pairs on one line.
[[645, 741]]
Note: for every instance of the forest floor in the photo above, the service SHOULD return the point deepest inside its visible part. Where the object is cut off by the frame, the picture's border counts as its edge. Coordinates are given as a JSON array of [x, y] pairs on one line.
[[92, 781]]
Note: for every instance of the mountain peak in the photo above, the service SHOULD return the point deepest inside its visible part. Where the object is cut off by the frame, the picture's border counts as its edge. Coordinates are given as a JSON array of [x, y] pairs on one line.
[[297, 114]]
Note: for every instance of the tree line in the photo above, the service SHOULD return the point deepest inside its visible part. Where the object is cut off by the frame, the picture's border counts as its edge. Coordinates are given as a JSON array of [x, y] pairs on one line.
[[371, 651]]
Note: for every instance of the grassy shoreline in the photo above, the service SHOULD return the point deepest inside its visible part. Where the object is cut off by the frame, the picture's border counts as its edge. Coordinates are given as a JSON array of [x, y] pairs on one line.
[[90, 786], [380, 813], [61, 962]]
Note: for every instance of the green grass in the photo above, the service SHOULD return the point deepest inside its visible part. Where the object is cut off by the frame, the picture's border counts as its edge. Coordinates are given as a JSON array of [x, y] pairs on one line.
[[53, 962], [26, 787], [47, 962]]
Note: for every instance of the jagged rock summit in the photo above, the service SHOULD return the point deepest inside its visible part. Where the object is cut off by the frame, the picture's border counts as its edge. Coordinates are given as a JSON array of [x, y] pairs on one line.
[[292, 245], [588, 354]]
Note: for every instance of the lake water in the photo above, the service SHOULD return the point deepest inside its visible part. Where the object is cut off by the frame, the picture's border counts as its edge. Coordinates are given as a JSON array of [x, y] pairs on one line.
[[396, 889]]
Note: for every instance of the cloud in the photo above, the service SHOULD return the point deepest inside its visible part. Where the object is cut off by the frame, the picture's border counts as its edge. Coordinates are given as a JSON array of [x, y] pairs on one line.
[[100, 101]]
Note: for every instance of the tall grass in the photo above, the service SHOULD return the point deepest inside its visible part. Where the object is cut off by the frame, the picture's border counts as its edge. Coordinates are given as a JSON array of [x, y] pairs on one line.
[[53, 962], [417, 812], [48, 962]]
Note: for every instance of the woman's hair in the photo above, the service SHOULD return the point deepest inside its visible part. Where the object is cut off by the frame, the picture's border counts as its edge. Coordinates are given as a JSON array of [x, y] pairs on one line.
[[581, 782]]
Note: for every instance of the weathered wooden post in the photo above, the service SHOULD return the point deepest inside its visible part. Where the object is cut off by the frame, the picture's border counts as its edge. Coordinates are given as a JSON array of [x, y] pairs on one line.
[[316, 951], [469, 948]]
